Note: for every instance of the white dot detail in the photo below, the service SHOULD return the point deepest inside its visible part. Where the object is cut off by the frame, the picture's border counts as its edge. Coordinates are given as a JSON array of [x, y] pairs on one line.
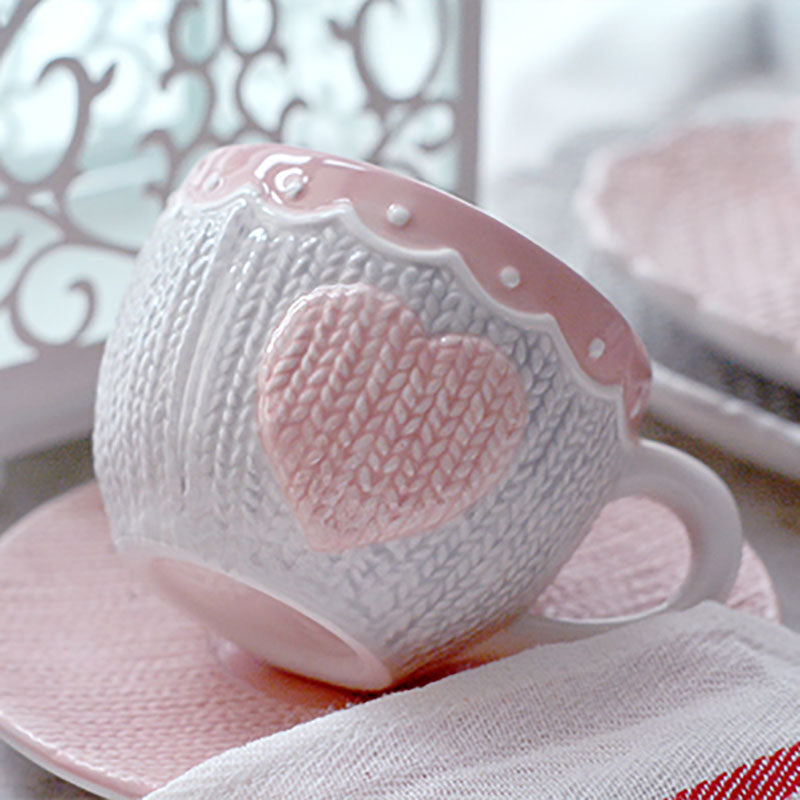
[[213, 181], [509, 277], [596, 348], [293, 187], [398, 215]]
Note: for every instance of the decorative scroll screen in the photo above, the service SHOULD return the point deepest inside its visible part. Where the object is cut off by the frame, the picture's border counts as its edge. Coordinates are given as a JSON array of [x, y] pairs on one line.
[[104, 105]]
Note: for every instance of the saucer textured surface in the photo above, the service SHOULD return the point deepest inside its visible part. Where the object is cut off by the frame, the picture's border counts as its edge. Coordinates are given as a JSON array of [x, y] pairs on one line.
[[106, 684]]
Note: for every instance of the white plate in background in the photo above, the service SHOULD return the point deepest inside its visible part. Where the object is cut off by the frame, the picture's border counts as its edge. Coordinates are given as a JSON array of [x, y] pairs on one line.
[[706, 219]]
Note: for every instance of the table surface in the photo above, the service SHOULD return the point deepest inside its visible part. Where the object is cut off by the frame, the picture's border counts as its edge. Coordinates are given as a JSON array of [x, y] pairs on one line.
[[770, 507]]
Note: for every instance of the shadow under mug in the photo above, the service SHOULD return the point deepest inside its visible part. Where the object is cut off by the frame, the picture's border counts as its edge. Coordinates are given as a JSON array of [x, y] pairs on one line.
[[354, 424]]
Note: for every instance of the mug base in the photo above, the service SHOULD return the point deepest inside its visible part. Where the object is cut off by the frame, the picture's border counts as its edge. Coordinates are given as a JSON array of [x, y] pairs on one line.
[[266, 626]]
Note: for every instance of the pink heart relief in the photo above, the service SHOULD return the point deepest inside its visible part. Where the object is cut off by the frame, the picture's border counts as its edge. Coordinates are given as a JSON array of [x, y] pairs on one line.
[[376, 431]]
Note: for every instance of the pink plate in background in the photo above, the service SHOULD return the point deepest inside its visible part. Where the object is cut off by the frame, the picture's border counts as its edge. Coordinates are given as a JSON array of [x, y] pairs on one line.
[[706, 218], [106, 685]]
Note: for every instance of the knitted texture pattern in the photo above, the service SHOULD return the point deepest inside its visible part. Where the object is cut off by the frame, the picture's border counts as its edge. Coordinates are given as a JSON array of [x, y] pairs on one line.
[[178, 449], [375, 431]]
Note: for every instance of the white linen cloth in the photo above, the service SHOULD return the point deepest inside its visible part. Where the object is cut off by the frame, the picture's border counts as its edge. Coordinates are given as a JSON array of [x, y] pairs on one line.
[[646, 711]]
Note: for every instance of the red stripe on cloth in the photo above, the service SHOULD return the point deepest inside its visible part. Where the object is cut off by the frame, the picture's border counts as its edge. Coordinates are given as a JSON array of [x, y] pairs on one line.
[[774, 777]]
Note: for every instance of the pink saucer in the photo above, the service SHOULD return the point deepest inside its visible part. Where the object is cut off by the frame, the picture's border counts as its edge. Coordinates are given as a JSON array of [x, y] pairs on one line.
[[104, 684]]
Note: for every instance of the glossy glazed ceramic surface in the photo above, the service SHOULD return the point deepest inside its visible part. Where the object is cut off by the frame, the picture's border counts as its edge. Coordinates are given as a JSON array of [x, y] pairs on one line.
[[493, 451], [508, 267], [375, 404]]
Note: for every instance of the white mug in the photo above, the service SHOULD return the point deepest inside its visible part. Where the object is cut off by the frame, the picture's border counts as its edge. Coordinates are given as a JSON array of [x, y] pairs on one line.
[[354, 423]]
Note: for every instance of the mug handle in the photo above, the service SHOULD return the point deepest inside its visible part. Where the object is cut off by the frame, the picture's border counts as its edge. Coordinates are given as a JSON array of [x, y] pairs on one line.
[[706, 507]]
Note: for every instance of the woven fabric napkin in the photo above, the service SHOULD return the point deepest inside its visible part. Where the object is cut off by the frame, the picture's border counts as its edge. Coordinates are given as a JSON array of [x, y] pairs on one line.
[[696, 705]]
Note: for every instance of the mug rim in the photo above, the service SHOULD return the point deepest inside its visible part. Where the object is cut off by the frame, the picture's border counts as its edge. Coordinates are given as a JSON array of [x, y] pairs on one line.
[[505, 267]]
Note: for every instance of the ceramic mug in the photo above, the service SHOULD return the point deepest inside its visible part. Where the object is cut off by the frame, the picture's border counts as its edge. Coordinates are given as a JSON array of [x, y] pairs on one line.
[[353, 423]]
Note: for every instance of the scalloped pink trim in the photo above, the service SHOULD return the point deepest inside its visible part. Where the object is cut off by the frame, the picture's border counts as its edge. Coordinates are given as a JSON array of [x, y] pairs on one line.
[[413, 215]]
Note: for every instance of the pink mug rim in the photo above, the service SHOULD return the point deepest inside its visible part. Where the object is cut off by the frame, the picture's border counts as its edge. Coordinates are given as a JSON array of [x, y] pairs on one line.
[[513, 270]]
